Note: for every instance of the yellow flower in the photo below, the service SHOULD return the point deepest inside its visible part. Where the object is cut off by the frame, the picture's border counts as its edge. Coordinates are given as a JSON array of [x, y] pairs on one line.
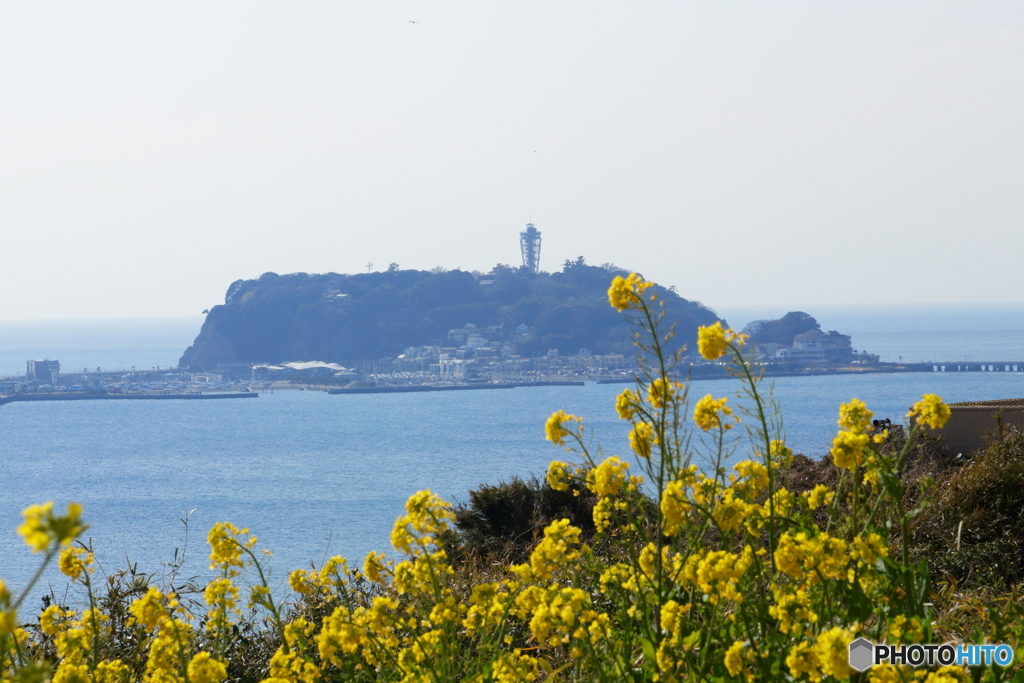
[[833, 649], [662, 392], [73, 561], [711, 341], [819, 558], [226, 546], [555, 430], [513, 667], [557, 474], [608, 478], [719, 572], [113, 671], [780, 453], [222, 597], [792, 610], [70, 671], [706, 413], [930, 411], [53, 619], [734, 658], [625, 292], [427, 515], [640, 438], [205, 669], [674, 507], [855, 416], [303, 582], [848, 449], [818, 496], [42, 528], [625, 404], [803, 659], [149, 610], [753, 478], [374, 567], [557, 549]]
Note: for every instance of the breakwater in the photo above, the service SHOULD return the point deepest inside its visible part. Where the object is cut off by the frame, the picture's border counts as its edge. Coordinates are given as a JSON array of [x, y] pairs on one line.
[[121, 397], [453, 387], [723, 371]]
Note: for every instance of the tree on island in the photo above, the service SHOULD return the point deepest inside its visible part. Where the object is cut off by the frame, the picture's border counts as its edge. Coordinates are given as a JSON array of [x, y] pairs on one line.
[[781, 331]]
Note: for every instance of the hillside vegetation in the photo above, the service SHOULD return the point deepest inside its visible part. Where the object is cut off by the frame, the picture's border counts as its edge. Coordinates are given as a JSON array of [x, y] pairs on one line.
[[348, 318]]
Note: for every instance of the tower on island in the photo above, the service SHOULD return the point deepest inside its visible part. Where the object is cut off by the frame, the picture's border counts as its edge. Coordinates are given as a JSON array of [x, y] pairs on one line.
[[529, 243]]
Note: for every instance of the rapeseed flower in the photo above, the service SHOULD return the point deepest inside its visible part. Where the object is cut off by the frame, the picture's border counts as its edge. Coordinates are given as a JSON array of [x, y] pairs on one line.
[[848, 449], [557, 549], [713, 340], [149, 610], [557, 476], [640, 439], [626, 403], [803, 660], [626, 292], [818, 496], [221, 595], [855, 416], [608, 478], [674, 507], [792, 610], [227, 543], [930, 411], [780, 453], [374, 567], [554, 429], [203, 668], [73, 561], [734, 658], [833, 648], [707, 412], [42, 529], [662, 392]]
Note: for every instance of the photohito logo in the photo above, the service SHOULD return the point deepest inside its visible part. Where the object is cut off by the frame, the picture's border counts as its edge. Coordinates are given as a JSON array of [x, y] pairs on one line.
[[864, 654]]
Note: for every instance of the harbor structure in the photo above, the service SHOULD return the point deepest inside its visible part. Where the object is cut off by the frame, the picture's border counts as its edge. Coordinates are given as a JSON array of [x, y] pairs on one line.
[[44, 371], [529, 244]]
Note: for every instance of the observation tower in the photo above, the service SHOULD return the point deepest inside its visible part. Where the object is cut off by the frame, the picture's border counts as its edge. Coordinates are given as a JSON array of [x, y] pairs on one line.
[[529, 243]]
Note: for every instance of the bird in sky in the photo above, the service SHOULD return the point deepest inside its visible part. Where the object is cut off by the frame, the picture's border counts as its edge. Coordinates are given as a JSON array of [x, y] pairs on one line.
[[413, 22]]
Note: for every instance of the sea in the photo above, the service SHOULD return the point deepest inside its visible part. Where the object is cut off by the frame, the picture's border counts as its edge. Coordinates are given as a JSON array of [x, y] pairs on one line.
[[316, 475]]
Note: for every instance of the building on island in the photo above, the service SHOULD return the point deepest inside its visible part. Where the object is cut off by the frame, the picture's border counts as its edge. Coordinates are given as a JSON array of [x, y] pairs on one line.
[[43, 371], [529, 244]]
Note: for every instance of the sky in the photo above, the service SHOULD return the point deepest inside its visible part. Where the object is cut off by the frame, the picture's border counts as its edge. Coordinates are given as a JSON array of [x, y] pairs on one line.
[[784, 154]]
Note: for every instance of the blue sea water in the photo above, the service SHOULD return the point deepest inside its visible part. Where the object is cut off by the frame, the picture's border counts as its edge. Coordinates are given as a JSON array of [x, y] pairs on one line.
[[315, 475]]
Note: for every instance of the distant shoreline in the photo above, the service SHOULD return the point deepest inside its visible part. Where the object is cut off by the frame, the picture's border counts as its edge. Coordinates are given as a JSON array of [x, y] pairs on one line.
[[20, 398]]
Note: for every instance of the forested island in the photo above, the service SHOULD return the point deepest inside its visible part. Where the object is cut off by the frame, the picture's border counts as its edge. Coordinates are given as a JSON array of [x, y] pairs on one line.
[[350, 318]]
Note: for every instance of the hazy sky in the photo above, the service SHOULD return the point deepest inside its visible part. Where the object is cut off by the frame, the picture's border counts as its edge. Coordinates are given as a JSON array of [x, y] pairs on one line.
[[749, 153]]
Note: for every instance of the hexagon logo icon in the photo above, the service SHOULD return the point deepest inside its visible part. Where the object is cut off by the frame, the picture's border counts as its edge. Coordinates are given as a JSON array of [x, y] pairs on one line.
[[862, 654]]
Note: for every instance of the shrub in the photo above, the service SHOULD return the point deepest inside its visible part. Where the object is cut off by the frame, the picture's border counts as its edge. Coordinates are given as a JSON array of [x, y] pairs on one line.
[[971, 530], [506, 520]]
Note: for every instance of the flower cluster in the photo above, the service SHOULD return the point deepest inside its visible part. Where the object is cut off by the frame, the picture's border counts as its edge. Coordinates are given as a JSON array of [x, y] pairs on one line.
[[930, 412], [555, 429], [713, 340], [627, 292], [708, 412], [42, 530]]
